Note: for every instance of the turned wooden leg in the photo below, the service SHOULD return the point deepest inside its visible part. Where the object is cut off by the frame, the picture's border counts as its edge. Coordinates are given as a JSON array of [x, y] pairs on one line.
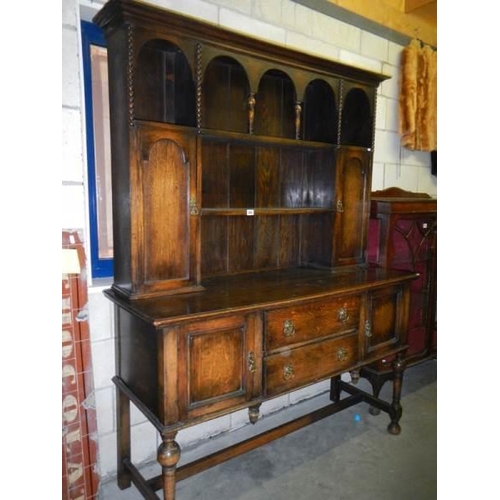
[[354, 376], [123, 438], [253, 413], [335, 389], [168, 455], [396, 409]]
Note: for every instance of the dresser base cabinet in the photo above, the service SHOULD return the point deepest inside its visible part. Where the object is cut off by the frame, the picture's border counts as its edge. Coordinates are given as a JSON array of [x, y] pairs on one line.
[[186, 359]]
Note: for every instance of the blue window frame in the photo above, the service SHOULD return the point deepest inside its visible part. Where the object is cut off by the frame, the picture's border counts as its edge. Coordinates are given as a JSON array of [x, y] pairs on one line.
[[99, 182]]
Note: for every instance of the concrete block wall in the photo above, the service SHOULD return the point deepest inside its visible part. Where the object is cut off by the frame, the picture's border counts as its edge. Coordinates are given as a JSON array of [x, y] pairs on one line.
[[279, 21]]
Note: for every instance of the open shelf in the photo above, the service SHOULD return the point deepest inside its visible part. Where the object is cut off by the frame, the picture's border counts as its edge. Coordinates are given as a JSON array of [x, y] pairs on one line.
[[239, 175], [225, 92], [357, 118], [164, 88], [244, 212]]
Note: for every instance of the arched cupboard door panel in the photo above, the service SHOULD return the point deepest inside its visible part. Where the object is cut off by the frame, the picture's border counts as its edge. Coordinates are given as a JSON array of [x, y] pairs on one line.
[[164, 213], [352, 205], [164, 89], [225, 93], [165, 185]]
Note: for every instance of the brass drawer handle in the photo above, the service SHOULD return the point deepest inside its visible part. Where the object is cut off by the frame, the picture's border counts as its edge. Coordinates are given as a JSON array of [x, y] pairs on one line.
[[343, 314], [288, 372], [342, 354], [252, 365], [288, 328]]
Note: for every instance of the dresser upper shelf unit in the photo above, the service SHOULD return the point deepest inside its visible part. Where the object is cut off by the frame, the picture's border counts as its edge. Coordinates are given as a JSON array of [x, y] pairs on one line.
[[230, 154]]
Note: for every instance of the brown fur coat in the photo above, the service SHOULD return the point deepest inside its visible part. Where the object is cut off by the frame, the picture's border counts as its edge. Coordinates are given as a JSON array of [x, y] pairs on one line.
[[418, 97]]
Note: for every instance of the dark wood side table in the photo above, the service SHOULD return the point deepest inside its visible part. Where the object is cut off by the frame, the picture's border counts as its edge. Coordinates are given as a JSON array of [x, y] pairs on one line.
[[403, 235]]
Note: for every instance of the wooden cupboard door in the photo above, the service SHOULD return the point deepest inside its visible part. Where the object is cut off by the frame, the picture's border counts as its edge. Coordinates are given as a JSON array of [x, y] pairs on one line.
[[166, 212], [220, 364], [352, 204], [386, 322]]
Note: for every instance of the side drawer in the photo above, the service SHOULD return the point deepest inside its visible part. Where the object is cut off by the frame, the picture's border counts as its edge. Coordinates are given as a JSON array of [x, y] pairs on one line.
[[291, 369], [291, 325]]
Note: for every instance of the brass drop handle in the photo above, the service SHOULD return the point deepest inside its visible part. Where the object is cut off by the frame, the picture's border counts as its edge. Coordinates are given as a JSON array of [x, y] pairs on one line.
[[288, 328], [343, 314], [342, 354], [288, 372], [252, 365]]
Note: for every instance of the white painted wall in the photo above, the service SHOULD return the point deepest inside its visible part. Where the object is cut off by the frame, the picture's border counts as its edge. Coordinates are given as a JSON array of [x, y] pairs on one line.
[[278, 21]]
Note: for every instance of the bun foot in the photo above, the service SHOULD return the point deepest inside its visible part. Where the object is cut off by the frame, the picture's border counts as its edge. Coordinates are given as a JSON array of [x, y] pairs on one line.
[[253, 413], [394, 429]]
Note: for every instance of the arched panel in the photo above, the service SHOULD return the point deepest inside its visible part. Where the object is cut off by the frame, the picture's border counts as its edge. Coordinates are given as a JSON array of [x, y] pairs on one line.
[[357, 119], [225, 92], [353, 187], [274, 108], [320, 113], [165, 192], [352, 206], [164, 87]]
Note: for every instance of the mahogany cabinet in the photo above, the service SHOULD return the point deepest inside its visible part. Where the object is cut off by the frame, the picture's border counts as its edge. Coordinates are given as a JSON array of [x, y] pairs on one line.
[[403, 235], [241, 199]]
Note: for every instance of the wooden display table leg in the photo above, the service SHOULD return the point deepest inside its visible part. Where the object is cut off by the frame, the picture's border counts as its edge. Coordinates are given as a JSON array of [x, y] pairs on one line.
[[169, 453]]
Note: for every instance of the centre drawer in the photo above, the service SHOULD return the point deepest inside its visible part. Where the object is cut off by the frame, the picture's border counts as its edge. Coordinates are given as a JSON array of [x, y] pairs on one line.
[[294, 368], [319, 318]]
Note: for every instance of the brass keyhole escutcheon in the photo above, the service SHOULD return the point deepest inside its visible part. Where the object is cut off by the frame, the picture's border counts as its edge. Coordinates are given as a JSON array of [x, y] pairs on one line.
[[342, 354], [343, 314], [288, 372], [368, 329], [288, 328], [193, 207]]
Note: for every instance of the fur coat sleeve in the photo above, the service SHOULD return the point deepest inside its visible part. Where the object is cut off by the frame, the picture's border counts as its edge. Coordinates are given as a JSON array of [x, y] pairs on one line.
[[418, 97]]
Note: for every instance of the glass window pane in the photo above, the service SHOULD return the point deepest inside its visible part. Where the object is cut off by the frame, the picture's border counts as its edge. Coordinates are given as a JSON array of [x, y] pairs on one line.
[[102, 152]]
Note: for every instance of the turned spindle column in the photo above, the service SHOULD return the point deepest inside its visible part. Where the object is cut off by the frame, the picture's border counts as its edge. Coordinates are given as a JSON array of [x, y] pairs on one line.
[[251, 112], [298, 112]]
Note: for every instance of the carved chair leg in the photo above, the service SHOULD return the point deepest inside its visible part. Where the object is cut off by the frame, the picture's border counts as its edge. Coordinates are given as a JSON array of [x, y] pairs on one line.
[[396, 408], [169, 453], [123, 441]]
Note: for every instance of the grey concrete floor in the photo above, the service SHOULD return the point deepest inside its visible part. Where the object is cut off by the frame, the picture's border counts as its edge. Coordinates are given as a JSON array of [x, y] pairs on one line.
[[349, 455]]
